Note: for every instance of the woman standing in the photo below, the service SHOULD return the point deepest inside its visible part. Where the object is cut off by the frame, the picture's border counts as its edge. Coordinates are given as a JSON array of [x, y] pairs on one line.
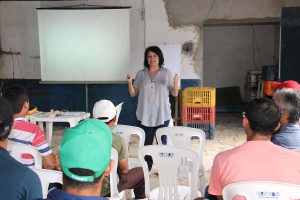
[[153, 84]]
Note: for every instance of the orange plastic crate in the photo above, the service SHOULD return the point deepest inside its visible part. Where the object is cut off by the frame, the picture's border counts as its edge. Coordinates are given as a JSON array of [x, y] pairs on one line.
[[204, 115], [199, 97]]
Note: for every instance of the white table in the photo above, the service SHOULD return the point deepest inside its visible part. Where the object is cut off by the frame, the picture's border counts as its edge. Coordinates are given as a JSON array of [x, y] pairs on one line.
[[71, 117]]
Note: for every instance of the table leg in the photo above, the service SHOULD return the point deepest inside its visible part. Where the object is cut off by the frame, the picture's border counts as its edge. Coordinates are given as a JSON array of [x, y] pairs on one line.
[[41, 125], [49, 131]]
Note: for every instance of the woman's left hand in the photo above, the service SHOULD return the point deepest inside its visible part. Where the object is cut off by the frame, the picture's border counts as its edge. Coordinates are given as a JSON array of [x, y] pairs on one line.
[[176, 80]]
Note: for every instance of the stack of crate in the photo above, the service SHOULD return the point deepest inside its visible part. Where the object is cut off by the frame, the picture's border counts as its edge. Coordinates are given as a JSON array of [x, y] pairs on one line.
[[199, 109]]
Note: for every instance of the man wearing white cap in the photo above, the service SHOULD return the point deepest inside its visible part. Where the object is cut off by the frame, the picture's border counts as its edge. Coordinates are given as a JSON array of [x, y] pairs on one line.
[[105, 111]]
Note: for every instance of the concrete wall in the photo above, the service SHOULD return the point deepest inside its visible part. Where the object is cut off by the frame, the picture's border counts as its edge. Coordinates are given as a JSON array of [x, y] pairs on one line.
[[195, 12], [231, 50]]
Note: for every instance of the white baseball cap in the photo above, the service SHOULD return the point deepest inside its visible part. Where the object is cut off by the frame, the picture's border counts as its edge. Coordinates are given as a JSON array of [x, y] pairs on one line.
[[104, 110]]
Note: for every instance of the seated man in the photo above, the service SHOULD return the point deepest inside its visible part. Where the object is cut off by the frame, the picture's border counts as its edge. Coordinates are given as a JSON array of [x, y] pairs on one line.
[[17, 181], [105, 111], [84, 158], [286, 84], [257, 159], [289, 134], [26, 132]]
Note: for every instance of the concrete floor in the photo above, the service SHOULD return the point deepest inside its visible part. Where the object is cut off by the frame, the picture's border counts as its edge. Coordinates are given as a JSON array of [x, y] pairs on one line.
[[229, 133]]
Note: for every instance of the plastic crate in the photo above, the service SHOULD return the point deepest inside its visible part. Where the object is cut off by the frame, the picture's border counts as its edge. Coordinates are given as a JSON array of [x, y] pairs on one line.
[[199, 97], [205, 115], [209, 129]]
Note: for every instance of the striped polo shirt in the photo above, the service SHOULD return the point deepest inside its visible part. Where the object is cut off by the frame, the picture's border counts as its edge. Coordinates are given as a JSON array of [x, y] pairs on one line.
[[28, 133]]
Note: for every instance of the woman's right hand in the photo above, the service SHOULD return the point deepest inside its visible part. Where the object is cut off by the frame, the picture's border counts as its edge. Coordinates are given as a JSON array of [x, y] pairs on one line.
[[132, 90], [129, 79]]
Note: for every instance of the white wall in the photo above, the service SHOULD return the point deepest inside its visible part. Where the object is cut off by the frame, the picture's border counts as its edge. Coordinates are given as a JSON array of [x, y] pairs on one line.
[[18, 33], [158, 31]]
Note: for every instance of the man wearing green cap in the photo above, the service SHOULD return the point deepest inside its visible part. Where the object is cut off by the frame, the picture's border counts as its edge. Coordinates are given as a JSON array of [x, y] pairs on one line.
[[84, 158]]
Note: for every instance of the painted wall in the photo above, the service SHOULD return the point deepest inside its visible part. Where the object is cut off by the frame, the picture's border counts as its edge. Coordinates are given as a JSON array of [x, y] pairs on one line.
[[19, 34], [152, 22]]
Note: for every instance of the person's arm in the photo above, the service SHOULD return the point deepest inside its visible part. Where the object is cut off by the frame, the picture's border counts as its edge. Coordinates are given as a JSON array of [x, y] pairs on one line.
[[220, 197], [175, 87], [131, 89], [49, 161], [123, 166], [41, 144]]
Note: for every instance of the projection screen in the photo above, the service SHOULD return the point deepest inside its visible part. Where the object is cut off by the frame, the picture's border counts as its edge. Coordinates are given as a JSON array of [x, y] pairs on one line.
[[84, 45]]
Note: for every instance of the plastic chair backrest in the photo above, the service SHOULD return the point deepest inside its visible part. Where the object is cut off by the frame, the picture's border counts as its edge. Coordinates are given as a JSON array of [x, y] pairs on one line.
[[48, 176], [119, 108], [168, 160], [16, 150], [262, 190], [181, 136], [125, 131], [114, 193]]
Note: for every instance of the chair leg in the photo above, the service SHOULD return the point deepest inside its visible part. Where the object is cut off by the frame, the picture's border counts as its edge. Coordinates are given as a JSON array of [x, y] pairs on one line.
[[202, 183]]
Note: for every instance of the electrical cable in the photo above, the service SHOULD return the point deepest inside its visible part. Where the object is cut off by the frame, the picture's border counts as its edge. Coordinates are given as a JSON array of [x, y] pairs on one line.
[[210, 9], [19, 67], [254, 40], [12, 60]]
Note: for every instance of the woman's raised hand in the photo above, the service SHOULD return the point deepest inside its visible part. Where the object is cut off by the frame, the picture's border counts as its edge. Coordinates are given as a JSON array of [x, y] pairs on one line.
[[176, 80], [129, 79]]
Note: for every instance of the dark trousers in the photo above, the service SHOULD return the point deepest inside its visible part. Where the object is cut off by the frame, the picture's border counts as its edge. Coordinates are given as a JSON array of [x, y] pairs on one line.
[[134, 179], [150, 134]]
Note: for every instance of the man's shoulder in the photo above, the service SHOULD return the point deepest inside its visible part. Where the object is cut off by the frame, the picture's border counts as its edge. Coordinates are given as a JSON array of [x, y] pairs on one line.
[[18, 171], [26, 126], [225, 154], [117, 138]]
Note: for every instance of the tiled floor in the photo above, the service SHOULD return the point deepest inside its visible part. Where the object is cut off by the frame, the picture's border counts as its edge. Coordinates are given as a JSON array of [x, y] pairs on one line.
[[229, 133]]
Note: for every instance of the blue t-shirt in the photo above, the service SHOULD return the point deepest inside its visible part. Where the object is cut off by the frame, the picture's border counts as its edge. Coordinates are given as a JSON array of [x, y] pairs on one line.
[[57, 194], [16, 180], [288, 136]]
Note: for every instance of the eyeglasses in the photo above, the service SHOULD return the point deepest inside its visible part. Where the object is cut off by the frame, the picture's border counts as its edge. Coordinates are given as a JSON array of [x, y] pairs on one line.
[[243, 114]]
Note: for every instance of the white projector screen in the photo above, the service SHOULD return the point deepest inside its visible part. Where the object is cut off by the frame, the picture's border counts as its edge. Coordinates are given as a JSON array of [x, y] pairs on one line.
[[84, 45]]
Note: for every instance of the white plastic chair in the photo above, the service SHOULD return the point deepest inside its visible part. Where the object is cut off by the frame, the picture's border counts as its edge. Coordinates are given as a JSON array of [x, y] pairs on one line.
[[181, 136], [119, 108], [46, 177], [168, 160], [125, 131], [262, 190], [16, 150], [114, 192]]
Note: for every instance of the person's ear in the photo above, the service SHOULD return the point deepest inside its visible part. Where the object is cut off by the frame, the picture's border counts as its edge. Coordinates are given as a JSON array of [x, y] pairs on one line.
[[245, 122], [278, 126], [57, 163], [26, 105], [285, 114], [109, 168]]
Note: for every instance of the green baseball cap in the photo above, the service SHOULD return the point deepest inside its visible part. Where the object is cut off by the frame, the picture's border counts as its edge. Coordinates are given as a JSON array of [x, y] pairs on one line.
[[86, 146]]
